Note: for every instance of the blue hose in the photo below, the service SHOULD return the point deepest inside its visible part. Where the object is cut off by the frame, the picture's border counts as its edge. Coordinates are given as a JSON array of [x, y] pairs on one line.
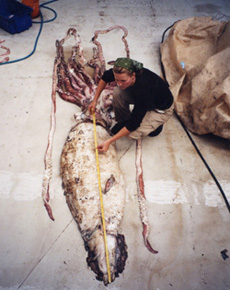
[[39, 32]]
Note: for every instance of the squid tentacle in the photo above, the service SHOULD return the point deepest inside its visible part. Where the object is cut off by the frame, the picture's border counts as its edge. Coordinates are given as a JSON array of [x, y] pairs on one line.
[[7, 52], [48, 155], [141, 197], [99, 47]]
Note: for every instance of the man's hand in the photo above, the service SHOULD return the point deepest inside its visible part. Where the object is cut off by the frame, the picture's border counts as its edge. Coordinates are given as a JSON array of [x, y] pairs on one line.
[[93, 104], [92, 107], [104, 146]]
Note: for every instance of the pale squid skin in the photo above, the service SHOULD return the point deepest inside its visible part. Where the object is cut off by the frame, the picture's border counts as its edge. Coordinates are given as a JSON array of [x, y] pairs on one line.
[[80, 183]]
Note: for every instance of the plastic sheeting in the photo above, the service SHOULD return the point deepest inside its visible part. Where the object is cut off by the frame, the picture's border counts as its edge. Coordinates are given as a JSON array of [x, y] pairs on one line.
[[196, 60]]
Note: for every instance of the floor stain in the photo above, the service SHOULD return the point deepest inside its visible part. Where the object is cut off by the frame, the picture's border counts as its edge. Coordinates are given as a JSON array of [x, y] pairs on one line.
[[208, 8]]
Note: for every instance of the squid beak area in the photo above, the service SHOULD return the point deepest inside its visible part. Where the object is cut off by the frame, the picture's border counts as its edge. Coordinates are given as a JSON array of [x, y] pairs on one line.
[[93, 264], [121, 257]]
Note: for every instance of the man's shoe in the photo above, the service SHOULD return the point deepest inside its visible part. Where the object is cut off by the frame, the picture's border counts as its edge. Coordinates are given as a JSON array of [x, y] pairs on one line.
[[156, 132]]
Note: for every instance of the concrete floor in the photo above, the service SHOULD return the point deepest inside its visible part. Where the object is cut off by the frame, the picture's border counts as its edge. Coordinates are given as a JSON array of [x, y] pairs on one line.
[[190, 224]]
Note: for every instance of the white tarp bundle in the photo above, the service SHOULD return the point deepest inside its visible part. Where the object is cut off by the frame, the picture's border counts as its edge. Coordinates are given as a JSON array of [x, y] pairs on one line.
[[196, 60]]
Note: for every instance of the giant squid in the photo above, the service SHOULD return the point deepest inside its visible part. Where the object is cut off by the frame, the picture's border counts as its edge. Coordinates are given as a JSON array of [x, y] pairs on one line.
[[74, 84]]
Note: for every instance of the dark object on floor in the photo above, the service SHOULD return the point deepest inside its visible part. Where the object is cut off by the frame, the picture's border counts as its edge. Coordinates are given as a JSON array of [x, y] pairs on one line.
[[224, 254], [117, 127], [156, 132], [14, 16]]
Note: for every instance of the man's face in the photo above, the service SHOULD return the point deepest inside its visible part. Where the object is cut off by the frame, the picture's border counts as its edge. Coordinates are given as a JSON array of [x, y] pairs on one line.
[[124, 80]]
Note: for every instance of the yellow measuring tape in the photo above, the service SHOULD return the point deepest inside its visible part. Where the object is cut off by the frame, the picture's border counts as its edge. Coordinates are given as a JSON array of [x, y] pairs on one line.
[[101, 199]]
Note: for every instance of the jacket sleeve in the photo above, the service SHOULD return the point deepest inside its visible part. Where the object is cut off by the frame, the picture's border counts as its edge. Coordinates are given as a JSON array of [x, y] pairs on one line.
[[165, 98], [135, 118]]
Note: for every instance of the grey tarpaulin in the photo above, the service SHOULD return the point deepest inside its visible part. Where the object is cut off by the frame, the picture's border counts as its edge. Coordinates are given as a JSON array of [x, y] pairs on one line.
[[196, 60]]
